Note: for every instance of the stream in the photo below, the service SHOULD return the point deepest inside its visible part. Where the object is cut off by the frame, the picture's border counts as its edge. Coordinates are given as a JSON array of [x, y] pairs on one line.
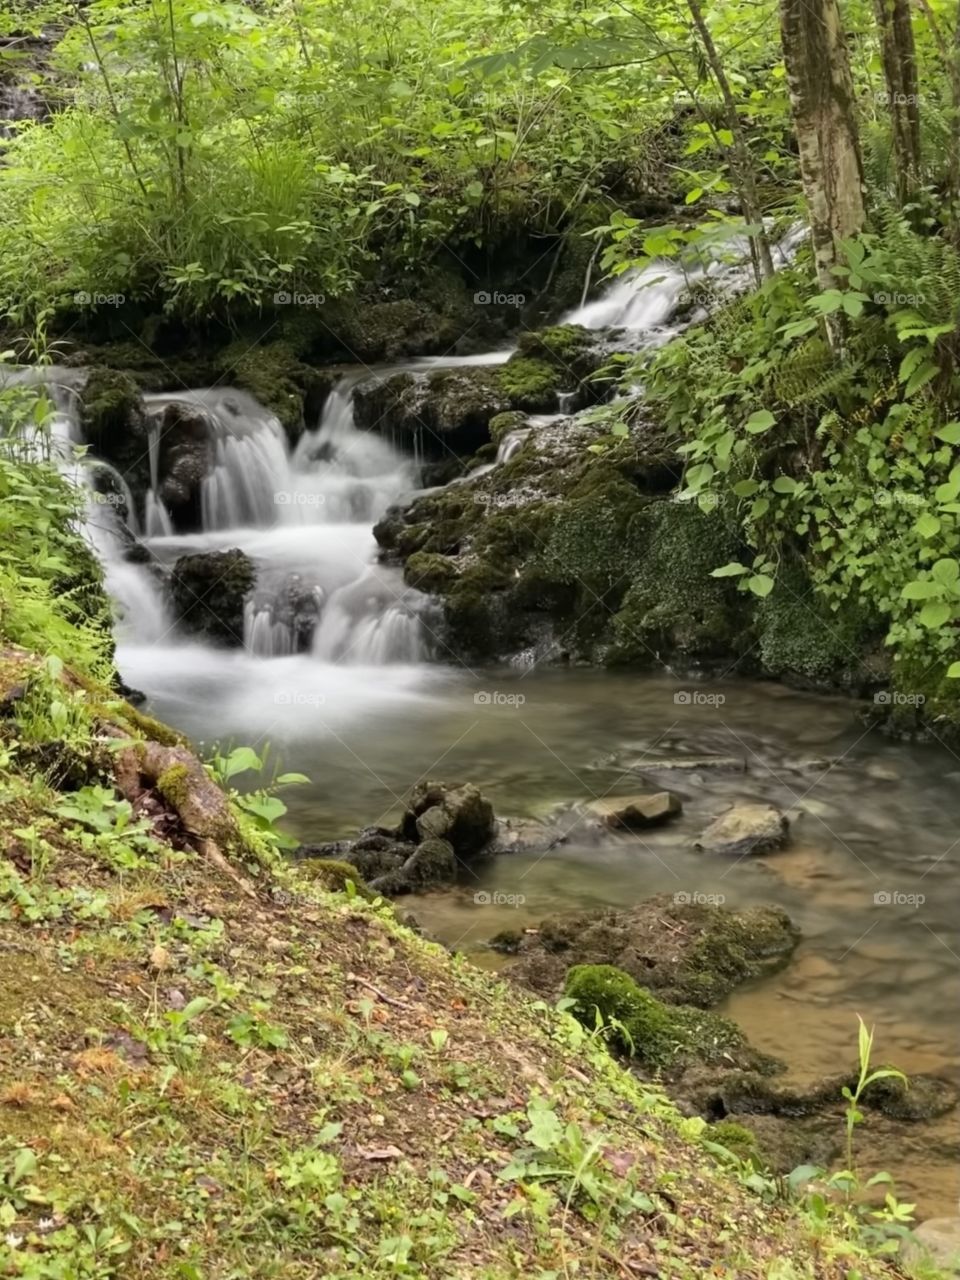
[[371, 709]]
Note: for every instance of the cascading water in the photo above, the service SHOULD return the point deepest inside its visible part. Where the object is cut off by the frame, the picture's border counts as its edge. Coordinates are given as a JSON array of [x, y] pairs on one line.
[[645, 301]]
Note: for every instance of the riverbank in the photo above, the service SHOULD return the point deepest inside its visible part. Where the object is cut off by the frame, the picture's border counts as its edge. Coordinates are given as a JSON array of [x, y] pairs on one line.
[[210, 1063]]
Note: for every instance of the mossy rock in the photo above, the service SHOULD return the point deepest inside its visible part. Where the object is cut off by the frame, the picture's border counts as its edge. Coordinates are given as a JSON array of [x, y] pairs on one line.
[[115, 424], [686, 953], [503, 423], [208, 591], [736, 1138], [533, 384], [333, 876], [660, 1036], [429, 572], [291, 389], [571, 348], [801, 638], [673, 605]]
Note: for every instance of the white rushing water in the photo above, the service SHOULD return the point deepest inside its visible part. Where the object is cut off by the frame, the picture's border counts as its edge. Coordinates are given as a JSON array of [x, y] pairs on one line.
[[305, 515], [645, 301]]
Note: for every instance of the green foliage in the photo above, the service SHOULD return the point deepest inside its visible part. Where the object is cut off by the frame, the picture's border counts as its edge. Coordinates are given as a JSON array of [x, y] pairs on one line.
[[51, 587], [844, 461], [211, 154]]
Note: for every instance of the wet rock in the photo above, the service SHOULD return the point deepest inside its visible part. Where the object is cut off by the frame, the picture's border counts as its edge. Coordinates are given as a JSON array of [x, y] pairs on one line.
[[636, 811], [745, 830], [432, 864], [185, 459], [659, 1036], [685, 953], [458, 813], [447, 410], [444, 824], [208, 591], [115, 424], [525, 835]]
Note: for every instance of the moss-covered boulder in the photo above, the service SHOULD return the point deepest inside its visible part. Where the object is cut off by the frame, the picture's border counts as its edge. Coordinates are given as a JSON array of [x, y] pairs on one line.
[[334, 875], [575, 351], [660, 1036], [429, 572], [685, 953], [208, 591], [289, 387], [115, 424], [442, 412], [673, 605]]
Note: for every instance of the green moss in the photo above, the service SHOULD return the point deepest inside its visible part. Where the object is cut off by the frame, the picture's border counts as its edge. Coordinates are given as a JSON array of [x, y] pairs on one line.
[[735, 1137], [150, 728], [503, 423], [280, 381], [570, 348], [592, 539], [333, 875], [658, 1035], [737, 946], [172, 785], [429, 572], [532, 384], [111, 399], [673, 604], [800, 636]]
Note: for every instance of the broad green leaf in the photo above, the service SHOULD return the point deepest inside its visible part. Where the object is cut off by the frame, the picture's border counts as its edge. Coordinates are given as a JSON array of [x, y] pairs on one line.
[[762, 420]]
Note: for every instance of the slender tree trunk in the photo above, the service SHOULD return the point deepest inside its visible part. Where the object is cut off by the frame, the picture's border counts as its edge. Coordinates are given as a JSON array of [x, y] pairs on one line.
[[821, 98], [743, 161], [899, 57]]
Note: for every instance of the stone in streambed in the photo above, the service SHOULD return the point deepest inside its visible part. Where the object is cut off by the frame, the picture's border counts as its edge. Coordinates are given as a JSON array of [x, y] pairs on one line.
[[635, 811], [744, 830], [457, 812], [208, 591], [685, 952]]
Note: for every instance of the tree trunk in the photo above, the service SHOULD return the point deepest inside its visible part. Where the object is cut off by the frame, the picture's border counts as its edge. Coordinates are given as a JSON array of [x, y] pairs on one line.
[[743, 161], [899, 57], [821, 98]]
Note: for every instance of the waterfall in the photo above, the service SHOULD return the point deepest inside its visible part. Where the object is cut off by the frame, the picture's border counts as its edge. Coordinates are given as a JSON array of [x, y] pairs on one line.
[[645, 301]]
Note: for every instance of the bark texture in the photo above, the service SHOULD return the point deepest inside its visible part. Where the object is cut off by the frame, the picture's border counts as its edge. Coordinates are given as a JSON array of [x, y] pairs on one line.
[[821, 98]]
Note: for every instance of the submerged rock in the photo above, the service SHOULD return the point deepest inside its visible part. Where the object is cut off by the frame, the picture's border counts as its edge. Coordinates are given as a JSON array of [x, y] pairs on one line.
[[745, 830], [208, 591], [637, 811], [685, 953]]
